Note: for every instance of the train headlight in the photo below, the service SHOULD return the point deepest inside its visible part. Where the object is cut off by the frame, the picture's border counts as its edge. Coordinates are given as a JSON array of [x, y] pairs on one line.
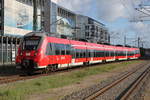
[[21, 54], [35, 54]]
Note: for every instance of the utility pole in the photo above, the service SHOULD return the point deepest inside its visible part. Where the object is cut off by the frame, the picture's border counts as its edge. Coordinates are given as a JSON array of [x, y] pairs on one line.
[[142, 45], [34, 15], [109, 39], [2, 17], [138, 42], [47, 16], [125, 40]]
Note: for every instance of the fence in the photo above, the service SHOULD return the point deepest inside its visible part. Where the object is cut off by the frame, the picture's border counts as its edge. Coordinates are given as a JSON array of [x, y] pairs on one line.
[[8, 50]]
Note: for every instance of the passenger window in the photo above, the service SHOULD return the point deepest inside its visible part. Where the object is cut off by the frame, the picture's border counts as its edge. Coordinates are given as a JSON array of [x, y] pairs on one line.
[[49, 50], [68, 49]]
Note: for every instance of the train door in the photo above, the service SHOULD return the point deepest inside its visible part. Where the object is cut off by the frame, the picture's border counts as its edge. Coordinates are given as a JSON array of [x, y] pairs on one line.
[[73, 55], [87, 55], [126, 53]]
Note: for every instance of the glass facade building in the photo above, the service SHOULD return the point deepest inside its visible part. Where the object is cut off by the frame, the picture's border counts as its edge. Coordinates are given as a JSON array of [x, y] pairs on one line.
[[19, 17], [63, 21], [66, 23], [1, 17], [91, 30]]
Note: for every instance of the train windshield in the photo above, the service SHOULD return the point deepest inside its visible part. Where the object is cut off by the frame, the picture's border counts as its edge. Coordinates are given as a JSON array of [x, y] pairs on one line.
[[31, 43]]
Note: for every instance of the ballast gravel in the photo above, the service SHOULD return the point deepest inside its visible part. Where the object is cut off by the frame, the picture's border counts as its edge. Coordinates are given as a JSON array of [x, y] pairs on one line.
[[110, 95]]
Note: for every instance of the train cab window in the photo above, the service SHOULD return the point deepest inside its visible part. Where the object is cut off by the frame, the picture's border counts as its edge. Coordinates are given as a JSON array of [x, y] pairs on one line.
[[31, 43]]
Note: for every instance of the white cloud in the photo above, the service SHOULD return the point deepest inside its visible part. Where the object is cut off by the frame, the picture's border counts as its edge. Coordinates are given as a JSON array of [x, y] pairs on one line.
[[142, 29], [56, 1], [107, 10], [114, 9], [110, 11], [76, 5]]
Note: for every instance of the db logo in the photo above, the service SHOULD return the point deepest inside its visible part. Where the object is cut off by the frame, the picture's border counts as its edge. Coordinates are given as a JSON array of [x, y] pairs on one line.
[[62, 57]]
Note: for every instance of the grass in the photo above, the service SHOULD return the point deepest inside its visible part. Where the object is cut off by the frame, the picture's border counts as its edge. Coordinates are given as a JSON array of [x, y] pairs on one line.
[[19, 91]]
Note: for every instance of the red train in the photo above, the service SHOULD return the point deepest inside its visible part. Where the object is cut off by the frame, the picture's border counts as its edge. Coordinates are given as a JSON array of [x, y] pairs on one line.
[[40, 51]]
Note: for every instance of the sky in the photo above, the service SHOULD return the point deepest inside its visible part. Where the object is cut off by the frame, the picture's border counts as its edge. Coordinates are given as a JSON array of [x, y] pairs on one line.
[[117, 15]]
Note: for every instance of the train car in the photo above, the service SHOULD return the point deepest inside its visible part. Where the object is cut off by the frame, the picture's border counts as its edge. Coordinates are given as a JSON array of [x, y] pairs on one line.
[[40, 51]]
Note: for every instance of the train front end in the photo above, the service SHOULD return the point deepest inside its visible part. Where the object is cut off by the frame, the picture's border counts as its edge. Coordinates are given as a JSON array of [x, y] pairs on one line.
[[30, 52]]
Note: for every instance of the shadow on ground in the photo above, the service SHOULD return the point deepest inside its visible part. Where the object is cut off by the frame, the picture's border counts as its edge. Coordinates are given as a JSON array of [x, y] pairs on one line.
[[8, 70], [145, 58]]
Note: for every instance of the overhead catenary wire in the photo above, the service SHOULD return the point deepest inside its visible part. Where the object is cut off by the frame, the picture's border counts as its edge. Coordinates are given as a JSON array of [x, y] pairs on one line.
[[144, 10], [124, 5]]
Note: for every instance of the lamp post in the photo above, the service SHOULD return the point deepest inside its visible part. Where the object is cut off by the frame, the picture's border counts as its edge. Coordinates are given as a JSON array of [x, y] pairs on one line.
[[47, 16], [34, 15]]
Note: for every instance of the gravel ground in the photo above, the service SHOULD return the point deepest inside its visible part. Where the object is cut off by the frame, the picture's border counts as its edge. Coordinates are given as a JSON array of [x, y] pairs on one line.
[[57, 94], [139, 93], [145, 90], [114, 92], [80, 95]]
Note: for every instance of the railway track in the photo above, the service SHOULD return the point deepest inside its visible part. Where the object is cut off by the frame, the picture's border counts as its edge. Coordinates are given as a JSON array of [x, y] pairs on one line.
[[125, 94], [132, 87], [10, 79], [15, 78], [6, 80]]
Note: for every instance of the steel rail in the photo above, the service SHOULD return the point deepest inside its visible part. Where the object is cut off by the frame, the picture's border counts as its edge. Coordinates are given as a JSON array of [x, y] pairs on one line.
[[129, 90], [16, 78], [111, 85]]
